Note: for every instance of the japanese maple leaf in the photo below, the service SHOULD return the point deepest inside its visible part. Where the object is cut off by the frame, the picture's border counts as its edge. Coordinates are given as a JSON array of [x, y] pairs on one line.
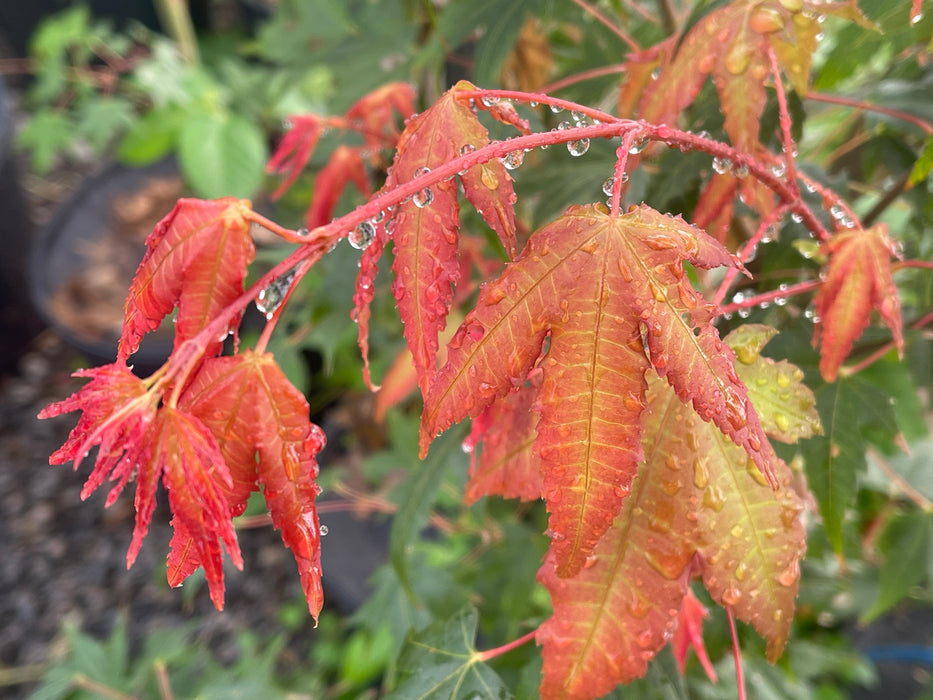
[[295, 149], [689, 634], [345, 166], [858, 279], [372, 115], [589, 285], [695, 508], [196, 259], [504, 435], [260, 422], [426, 228], [731, 44], [137, 440]]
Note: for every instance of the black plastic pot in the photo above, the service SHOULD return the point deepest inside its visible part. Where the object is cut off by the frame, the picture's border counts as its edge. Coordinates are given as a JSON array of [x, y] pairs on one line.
[[18, 322], [85, 236]]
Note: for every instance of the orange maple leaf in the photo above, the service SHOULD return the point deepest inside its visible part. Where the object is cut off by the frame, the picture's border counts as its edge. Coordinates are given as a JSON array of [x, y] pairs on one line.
[[590, 285], [196, 259], [858, 279]]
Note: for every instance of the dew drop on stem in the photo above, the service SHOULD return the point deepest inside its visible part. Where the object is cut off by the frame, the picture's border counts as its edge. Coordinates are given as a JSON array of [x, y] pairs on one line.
[[638, 145], [722, 165], [557, 109], [578, 147], [490, 100], [423, 198], [513, 159], [361, 236], [271, 298]]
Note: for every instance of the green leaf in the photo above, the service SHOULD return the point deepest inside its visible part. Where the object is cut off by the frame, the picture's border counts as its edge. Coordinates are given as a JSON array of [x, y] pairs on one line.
[[924, 163], [444, 664], [847, 409], [47, 134], [221, 155], [151, 137], [784, 403], [101, 119], [907, 543], [418, 495]]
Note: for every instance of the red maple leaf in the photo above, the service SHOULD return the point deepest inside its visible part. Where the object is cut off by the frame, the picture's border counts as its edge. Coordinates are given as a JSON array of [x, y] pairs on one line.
[[345, 166], [858, 279], [196, 259], [426, 228], [295, 150]]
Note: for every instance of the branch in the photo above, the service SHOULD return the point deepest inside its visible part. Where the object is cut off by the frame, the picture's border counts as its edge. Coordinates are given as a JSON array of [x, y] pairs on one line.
[[609, 24]]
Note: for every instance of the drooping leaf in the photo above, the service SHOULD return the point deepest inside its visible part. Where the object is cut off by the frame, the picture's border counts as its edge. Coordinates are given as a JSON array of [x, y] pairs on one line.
[[590, 284], [426, 228], [696, 506], [442, 664], [261, 425], [689, 634], [731, 45], [196, 259], [295, 150], [507, 465], [858, 280], [613, 616], [184, 452], [785, 405], [345, 166]]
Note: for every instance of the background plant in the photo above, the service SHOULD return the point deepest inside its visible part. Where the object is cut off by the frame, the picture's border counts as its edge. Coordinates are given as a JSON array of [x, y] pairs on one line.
[[761, 197]]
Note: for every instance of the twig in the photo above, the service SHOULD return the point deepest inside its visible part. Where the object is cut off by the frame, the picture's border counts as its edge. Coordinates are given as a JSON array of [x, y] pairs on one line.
[[901, 483], [609, 24], [483, 656]]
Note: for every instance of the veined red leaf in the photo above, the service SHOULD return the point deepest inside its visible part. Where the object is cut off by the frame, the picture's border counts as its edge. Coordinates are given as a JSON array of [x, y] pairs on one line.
[[254, 412], [858, 279], [591, 283], [372, 116], [713, 212], [696, 506], [731, 45], [196, 259], [620, 610], [184, 452], [295, 150], [426, 229], [504, 436], [345, 166]]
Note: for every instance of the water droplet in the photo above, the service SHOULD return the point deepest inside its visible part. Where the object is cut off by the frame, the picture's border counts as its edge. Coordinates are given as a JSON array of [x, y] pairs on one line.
[[722, 165], [323, 530], [513, 159], [782, 422], [731, 595], [578, 116], [916, 18], [645, 638], [740, 170], [714, 498], [490, 100], [578, 147], [564, 125], [423, 198], [303, 232], [557, 109], [741, 571], [638, 145], [362, 235], [700, 473], [271, 297], [790, 575], [608, 184]]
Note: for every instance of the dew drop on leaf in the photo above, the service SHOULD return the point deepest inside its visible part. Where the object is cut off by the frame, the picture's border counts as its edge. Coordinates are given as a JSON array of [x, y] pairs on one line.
[[731, 595], [700, 473], [423, 198]]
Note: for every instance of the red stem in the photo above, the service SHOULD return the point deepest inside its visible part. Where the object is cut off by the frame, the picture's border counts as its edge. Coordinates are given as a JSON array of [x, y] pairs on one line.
[[619, 173], [785, 120], [483, 656], [791, 290], [584, 75], [869, 107], [736, 654], [606, 22]]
